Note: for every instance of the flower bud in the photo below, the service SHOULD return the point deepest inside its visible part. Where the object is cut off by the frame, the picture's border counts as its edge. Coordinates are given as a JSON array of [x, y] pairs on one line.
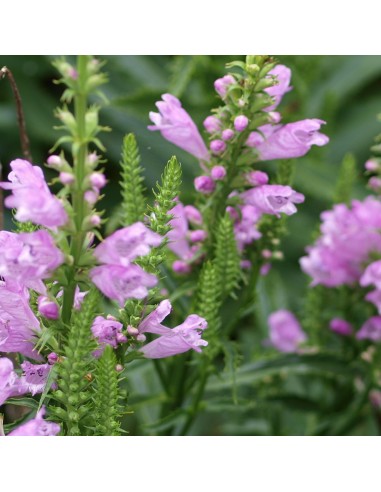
[[54, 161], [48, 308], [66, 178], [218, 172], [212, 124], [92, 159], [119, 368], [132, 331], [141, 338], [240, 123], [180, 266], [375, 183], [197, 236], [372, 165], [91, 196], [227, 134], [266, 253], [95, 220], [120, 338], [264, 270], [257, 178], [204, 184], [245, 264], [52, 358], [217, 146], [221, 85], [97, 180]]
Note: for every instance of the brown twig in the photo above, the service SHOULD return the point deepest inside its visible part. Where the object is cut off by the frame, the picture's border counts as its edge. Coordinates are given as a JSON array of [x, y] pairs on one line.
[[5, 72]]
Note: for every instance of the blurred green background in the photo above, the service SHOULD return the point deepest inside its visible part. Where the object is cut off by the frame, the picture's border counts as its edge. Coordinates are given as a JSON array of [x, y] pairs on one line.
[[345, 91]]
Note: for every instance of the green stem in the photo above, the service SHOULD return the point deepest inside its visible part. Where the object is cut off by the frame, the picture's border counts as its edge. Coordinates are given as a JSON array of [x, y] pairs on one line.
[[197, 399], [80, 150]]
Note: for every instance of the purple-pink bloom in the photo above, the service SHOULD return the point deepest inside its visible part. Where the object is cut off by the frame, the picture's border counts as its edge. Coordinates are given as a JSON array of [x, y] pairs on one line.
[[277, 91], [10, 384], [35, 376], [152, 322], [348, 237], [273, 199], [341, 326], [176, 340], [37, 427], [370, 330], [286, 333], [178, 235], [287, 141], [121, 282], [125, 245], [204, 184], [176, 126], [245, 227], [372, 275], [108, 331], [29, 257], [193, 214], [18, 324], [32, 197], [227, 134]]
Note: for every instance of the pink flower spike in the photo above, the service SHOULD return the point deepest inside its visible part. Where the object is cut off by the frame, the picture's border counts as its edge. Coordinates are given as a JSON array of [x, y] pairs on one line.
[[176, 126]]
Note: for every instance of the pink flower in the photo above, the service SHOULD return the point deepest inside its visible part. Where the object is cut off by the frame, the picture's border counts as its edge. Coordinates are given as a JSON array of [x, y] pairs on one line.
[[193, 214], [287, 141], [176, 126], [35, 376], [273, 199], [370, 330], [171, 341], [108, 331], [31, 196], [245, 230], [348, 236], [10, 384], [29, 257], [178, 235], [277, 91], [341, 326], [127, 244], [121, 282], [18, 324], [285, 331], [37, 427], [372, 275]]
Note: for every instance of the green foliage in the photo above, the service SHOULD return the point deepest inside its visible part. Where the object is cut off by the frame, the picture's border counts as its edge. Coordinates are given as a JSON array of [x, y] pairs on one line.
[[208, 304], [166, 192], [75, 371], [106, 395], [133, 202], [285, 172], [227, 259], [346, 180]]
